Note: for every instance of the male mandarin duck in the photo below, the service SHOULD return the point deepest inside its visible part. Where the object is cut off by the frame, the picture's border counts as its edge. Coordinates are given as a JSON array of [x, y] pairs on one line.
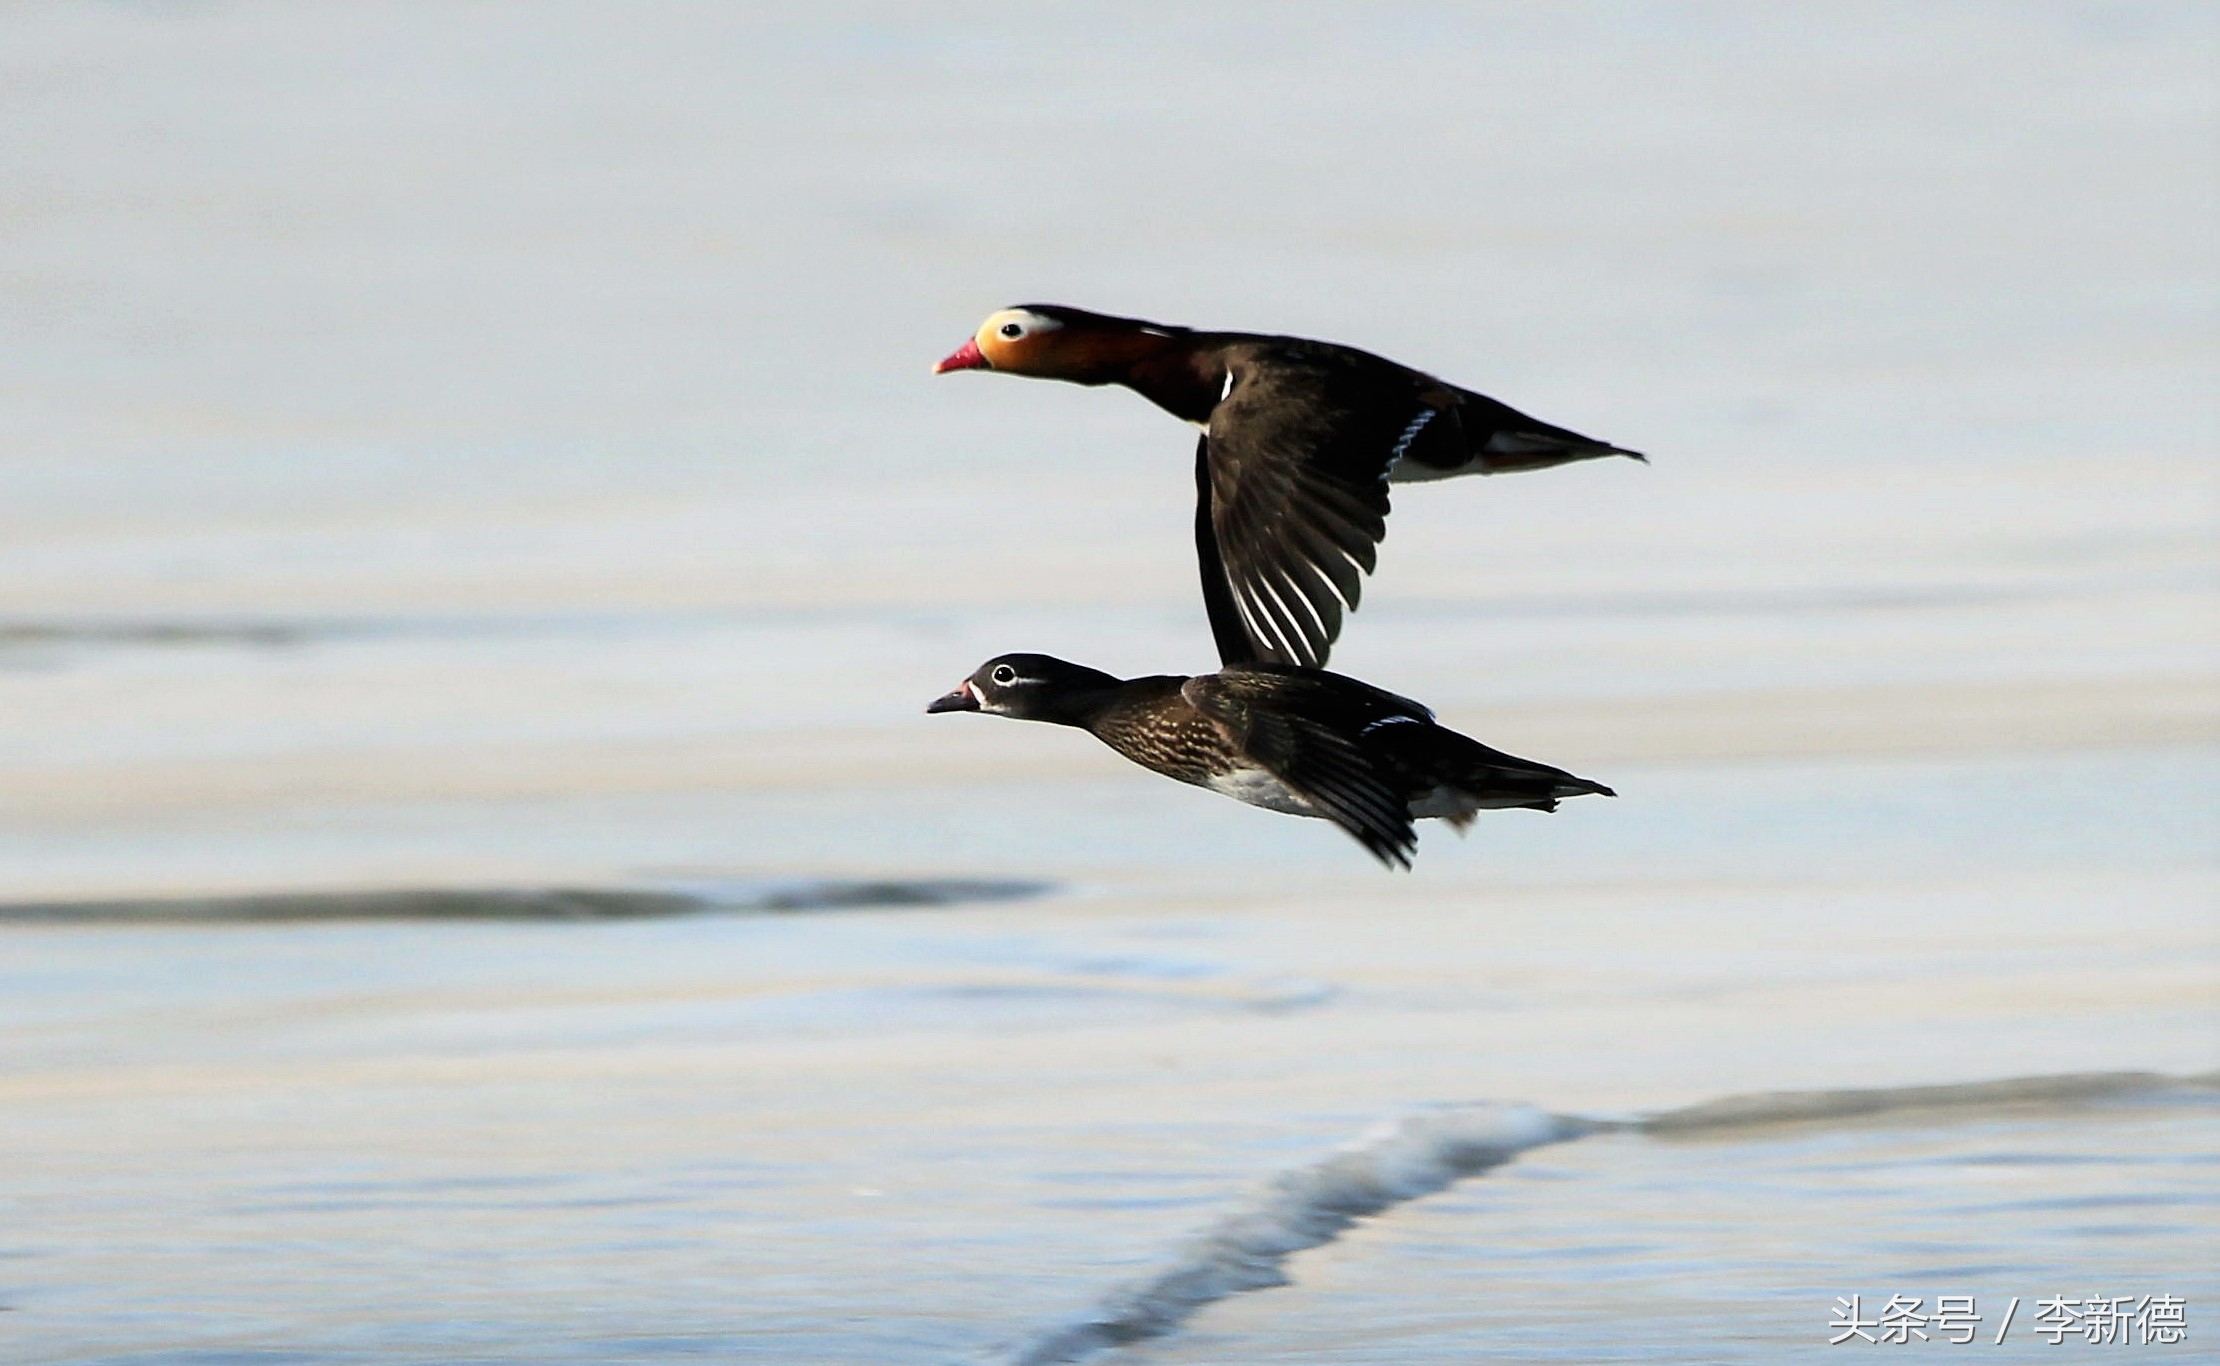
[[1300, 441]]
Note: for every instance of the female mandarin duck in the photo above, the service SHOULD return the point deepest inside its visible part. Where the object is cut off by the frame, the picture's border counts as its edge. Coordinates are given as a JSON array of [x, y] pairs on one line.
[[1300, 441], [1302, 741]]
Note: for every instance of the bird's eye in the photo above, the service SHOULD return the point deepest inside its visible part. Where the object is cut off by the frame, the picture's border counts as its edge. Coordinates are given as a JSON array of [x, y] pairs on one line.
[[1004, 674], [1012, 330]]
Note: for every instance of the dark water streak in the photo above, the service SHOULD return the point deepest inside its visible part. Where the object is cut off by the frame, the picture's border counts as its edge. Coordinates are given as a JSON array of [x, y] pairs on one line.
[[527, 903]]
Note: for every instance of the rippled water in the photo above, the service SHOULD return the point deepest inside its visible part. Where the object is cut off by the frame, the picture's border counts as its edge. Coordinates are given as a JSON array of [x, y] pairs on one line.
[[943, 1132], [1736, 1247]]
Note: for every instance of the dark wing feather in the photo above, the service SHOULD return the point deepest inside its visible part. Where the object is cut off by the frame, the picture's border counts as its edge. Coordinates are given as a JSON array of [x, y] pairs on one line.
[[1296, 497], [1225, 617], [1298, 454], [1323, 766]]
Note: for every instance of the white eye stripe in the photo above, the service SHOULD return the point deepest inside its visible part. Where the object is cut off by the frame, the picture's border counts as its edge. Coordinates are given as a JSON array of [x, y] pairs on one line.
[[1026, 323]]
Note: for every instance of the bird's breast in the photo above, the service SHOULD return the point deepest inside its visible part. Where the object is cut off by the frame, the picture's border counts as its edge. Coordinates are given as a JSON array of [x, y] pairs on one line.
[[1170, 739]]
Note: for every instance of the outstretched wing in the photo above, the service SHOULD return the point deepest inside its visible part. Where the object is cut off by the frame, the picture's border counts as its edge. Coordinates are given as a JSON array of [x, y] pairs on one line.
[[1319, 764], [1297, 458]]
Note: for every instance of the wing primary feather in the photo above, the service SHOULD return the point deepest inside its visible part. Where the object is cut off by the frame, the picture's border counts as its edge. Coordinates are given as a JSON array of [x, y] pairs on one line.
[[1307, 541], [1227, 630], [1252, 711], [1352, 794], [1279, 627], [1321, 551], [1298, 610], [1259, 627], [1309, 640], [1281, 575]]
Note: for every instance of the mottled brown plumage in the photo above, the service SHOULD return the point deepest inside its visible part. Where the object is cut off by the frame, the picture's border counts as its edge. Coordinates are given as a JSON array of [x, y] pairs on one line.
[[1286, 738]]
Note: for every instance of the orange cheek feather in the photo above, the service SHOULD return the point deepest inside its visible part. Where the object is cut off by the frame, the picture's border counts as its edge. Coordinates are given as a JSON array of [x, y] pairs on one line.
[[1002, 353]]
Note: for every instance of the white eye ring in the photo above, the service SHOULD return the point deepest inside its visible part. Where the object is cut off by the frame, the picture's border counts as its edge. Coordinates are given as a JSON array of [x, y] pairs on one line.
[[1004, 674]]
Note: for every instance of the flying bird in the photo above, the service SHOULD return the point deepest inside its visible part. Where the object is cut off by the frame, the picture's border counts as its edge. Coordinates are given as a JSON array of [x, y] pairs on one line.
[[1283, 737], [1300, 440]]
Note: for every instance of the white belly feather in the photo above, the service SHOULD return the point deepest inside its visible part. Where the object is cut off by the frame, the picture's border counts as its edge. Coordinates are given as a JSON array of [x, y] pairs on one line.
[[1411, 472], [1259, 788]]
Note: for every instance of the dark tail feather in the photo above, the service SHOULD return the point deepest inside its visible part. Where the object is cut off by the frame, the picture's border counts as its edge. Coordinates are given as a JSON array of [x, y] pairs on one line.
[[1582, 787], [1504, 439], [1509, 451]]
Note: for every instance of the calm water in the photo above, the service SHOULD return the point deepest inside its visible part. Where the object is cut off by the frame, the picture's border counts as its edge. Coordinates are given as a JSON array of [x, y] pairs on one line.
[[452, 454]]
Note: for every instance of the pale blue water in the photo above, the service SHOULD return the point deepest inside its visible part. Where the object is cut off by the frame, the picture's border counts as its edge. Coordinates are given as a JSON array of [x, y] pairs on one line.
[[454, 449], [1736, 1248], [420, 1142]]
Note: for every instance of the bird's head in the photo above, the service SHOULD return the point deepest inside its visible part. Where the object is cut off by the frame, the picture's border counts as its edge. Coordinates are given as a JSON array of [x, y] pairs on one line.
[[1027, 687], [1051, 341]]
